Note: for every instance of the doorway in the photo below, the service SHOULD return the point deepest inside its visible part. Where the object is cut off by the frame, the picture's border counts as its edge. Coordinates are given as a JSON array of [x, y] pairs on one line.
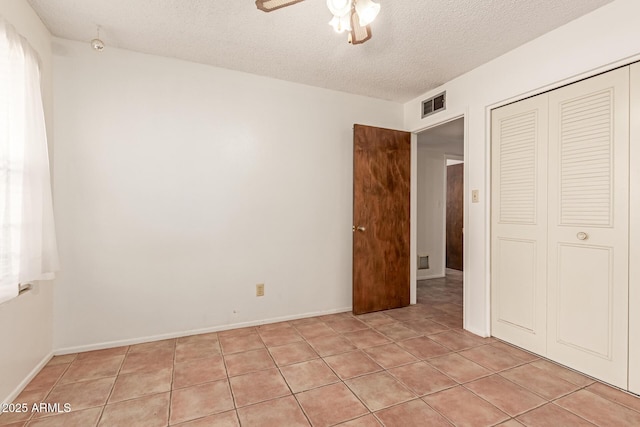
[[438, 147]]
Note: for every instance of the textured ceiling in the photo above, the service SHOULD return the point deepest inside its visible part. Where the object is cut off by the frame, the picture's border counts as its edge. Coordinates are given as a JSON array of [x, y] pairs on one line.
[[416, 45]]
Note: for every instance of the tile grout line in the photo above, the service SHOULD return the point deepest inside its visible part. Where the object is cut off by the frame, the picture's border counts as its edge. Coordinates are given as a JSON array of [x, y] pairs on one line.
[[113, 386]]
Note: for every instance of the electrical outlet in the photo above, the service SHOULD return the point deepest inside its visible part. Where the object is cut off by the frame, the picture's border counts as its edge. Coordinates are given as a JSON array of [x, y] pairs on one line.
[[475, 196], [260, 290]]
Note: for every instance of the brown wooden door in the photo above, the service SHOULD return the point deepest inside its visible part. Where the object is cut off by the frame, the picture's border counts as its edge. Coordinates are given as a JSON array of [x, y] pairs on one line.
[[455, 215], [381, 201]]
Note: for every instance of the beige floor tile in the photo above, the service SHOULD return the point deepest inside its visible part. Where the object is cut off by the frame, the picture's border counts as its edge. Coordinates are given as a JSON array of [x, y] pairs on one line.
[[258, 387], [283, 411], [457, 367], [292, 353], [82, 395], [47, 377], [519, 353], [147, 361], [366, 338], [423, 347], [148, 411], [92, 368], [330, 345], [352, 364], [539, 381], [200, 401], [615, 395], [307, 375], [84, 418], [237, 344], [464, 408], [492, 358], [162, 345], [455, 340], [131, 386], [425, 326], [366, 421], [379, 390], [505, 395], [422, 378], [248, 361], [375, 319], [62, 360], [599, 410], [198, 349], [198, 371], [280, 336], [208, 337], [331, 405], [396, 331], [390, 355], [551, 415], [225, 419], [563, 373], [349, 324], [413, 413], [107, 352], [314, 330]]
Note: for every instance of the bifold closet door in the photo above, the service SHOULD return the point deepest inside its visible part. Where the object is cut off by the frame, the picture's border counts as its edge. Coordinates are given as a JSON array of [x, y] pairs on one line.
[[588, 271], [634, 234], [519, 223]]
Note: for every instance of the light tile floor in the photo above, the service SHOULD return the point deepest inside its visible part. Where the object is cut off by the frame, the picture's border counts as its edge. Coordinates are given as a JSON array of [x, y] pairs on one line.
[[407, 367]]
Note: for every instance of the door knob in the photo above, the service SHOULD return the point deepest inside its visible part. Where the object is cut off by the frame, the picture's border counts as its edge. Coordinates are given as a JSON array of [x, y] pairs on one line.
[[359, 228], [582, 235]]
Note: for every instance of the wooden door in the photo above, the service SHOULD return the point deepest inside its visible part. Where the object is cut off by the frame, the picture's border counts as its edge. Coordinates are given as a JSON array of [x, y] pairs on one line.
[[381, 215], [588, 281], [455, 216], [519, 223]]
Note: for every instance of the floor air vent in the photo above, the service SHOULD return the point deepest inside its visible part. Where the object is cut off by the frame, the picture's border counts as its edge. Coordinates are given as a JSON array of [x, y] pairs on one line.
[[434, 104]]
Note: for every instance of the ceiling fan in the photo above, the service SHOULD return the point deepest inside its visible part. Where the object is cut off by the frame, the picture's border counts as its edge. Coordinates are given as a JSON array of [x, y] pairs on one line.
[[352, 16]]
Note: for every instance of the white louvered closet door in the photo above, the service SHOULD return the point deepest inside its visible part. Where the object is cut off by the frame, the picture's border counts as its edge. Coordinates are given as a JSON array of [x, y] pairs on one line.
[[589, 225], [519, 223]]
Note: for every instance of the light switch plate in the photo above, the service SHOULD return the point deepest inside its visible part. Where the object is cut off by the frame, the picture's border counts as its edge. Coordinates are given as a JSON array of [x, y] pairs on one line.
[[475, 196]]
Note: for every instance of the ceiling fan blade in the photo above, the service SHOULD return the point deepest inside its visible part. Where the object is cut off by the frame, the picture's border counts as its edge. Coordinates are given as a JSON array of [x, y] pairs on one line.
[[358, 34], [269, 5]]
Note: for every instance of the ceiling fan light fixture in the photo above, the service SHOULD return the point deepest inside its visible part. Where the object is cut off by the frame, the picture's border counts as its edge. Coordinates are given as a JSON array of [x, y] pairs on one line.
[[339, 7], [341, 23], [367, 11], [97, 44]]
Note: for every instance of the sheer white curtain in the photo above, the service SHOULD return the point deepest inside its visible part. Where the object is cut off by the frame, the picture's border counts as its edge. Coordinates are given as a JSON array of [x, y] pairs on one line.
[[28, 249]]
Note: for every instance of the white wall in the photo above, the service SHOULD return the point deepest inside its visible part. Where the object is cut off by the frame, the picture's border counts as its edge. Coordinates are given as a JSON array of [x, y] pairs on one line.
[[431, 220], [566, 54], [26, 322], [180, 186]]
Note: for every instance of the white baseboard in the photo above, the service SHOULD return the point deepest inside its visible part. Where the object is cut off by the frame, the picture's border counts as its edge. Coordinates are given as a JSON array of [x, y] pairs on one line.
[[119, 343], [478, 332], [430, 276], [12, 396]]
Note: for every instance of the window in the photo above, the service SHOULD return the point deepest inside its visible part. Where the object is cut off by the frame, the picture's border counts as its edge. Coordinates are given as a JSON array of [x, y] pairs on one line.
[[27, 244]]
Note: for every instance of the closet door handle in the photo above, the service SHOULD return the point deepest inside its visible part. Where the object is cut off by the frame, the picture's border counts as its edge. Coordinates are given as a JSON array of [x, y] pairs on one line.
[[582, 235]]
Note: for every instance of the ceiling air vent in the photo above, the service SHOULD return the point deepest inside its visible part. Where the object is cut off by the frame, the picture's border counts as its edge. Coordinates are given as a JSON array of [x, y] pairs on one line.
[[434, 104]]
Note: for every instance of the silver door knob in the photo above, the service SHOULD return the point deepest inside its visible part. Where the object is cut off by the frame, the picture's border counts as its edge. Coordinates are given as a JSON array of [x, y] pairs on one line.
[[359, 228], [582, 235]]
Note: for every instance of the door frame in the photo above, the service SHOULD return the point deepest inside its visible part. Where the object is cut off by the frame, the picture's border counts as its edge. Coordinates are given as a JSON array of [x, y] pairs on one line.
[[439, 119]]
